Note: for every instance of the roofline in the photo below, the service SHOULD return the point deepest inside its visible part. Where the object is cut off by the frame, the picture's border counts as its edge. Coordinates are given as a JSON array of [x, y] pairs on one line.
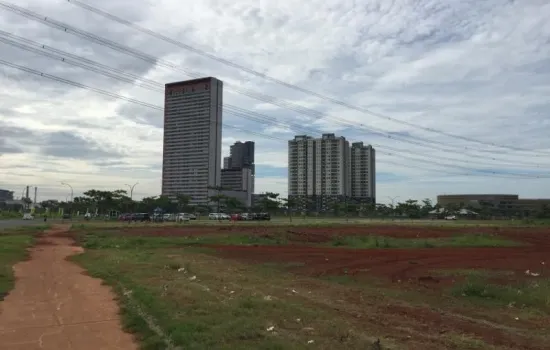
[[187, 82]]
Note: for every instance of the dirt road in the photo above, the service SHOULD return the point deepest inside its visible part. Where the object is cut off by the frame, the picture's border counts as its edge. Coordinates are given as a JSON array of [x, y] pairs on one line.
[[54, 306]]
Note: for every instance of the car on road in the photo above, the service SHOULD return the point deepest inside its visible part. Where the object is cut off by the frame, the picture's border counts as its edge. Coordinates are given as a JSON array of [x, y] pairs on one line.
[[28, 216]]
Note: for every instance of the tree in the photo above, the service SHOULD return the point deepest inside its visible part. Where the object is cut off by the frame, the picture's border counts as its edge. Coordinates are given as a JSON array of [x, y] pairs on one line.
[[218, 197], [426, 208], [290, 205], [270, 202], [233, 204], [27, 202], [183, 202]]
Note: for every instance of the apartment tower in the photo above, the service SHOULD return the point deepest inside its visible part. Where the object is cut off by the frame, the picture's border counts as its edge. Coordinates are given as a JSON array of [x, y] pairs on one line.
[[192, 138], [363, 172], [319, 167], [327, 168]]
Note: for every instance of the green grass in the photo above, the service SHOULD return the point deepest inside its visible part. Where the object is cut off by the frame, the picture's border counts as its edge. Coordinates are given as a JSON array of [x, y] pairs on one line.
[[226, 306], [13, 248], [107, 238], [534, 294], [6, 215], [326, 221], [212, 305], [465, 240]]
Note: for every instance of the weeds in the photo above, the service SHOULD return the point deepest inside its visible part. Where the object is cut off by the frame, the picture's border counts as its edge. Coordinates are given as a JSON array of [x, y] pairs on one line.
[[530, 294], [13, 248], [471, 240]]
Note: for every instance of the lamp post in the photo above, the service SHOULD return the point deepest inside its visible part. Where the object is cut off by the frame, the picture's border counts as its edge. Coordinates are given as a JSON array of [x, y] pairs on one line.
[[393, 204], [132, 193], [393, 200], [132, 189], [72, 192], [71, 187]]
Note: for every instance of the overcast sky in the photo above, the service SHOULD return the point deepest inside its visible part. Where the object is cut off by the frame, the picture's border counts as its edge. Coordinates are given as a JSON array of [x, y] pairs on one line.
[[430, 84]]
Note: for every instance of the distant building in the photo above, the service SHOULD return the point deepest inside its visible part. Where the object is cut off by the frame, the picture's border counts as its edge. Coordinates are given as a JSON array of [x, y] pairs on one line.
[[258, 199], [237, 179], [239, 170], [6, 195], [192, 138], [326, 169], [319, 166], [241, 155], [496, 204], [363, 172]]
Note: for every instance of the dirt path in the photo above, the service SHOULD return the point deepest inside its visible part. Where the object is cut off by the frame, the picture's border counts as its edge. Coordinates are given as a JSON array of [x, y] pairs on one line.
[[54, 306]]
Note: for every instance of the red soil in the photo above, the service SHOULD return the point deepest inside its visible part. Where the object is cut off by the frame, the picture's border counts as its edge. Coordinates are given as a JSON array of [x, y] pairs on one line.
[[425, 325], [396, 264]]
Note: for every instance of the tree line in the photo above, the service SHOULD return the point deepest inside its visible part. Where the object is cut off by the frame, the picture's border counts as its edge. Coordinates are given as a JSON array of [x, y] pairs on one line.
[[105, 202]]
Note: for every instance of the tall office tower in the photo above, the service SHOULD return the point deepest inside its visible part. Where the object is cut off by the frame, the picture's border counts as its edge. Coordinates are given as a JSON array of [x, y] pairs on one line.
[[226, 161], [192, 138], [319, 167], [363, 172], [241, 156]]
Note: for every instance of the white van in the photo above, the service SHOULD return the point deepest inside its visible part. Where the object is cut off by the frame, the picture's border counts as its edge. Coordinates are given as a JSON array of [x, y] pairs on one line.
[[28, 216]]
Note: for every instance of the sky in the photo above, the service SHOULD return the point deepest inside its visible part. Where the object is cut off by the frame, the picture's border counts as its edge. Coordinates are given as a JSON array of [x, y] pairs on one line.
[[453, 94]]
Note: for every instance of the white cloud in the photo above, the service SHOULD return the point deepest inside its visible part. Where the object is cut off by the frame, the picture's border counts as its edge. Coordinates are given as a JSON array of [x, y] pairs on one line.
[[470, 68]]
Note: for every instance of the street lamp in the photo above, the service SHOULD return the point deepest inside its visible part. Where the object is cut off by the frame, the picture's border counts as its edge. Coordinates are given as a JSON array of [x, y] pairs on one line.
[[72, 192], [132, 189], [71, 187], [393, 200]]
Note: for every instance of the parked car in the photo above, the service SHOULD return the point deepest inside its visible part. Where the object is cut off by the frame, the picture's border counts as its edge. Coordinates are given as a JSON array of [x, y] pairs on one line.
[[183, 217], [263, 216], [218, 216], [124, 217], [28, 216], [237, 217], [141, 217]]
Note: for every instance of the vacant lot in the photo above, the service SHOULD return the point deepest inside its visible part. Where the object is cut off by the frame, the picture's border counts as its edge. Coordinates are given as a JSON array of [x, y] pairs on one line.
[[234, 286]]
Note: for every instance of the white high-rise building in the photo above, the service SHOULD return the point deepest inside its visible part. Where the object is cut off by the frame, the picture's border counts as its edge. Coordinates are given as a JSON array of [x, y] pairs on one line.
[[329, 167], [319, 167], [192, 138], [363, 172]]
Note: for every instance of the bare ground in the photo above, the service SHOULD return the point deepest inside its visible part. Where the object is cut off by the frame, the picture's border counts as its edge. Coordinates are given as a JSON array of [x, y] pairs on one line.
[[55, 306]]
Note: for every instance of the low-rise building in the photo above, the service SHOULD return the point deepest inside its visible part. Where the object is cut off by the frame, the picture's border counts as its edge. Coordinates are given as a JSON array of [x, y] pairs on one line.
[[6, 195], [496, 204]]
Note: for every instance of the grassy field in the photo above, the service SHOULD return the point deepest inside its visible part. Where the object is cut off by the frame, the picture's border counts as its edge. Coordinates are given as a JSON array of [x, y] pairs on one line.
[[99, 239], [323, 221], [175, 292], [13, 248]]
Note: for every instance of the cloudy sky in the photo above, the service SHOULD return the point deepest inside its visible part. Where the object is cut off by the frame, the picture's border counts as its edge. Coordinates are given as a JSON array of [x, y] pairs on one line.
[[453, 94]]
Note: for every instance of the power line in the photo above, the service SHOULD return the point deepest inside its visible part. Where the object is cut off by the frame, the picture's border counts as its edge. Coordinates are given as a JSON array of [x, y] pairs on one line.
[[157, 86], [481, 172], [283, 83], [261, 97]]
